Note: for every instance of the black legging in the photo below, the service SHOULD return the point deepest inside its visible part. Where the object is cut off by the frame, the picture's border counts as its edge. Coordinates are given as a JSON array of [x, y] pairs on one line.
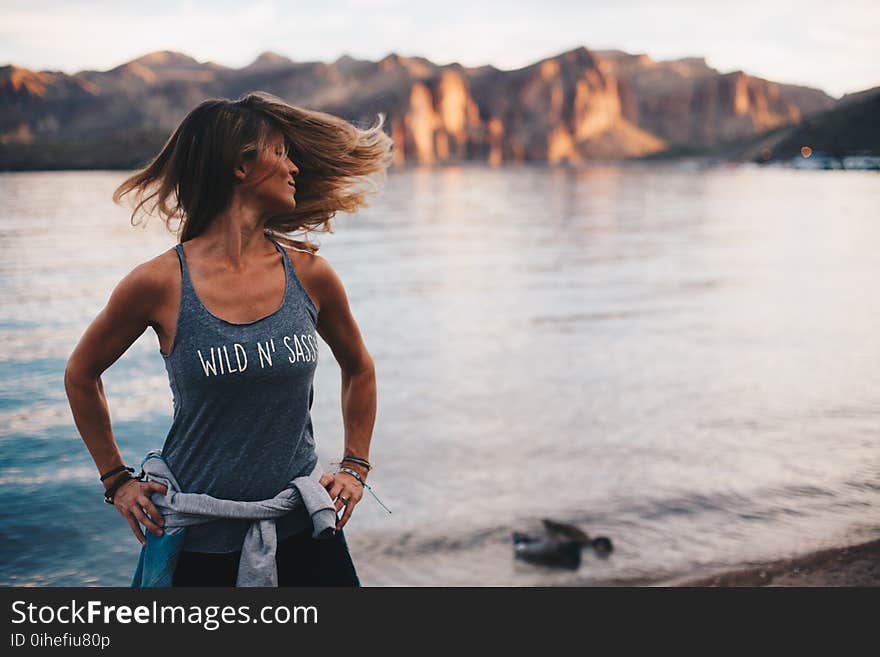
[[301, 559]]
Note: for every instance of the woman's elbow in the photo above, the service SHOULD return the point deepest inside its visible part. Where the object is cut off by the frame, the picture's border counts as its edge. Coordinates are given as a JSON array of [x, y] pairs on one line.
[[362, 368], [75, 375]]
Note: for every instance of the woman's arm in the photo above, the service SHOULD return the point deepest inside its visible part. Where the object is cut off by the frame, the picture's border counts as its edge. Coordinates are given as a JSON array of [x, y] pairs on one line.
[[337, 327], [124, 319]]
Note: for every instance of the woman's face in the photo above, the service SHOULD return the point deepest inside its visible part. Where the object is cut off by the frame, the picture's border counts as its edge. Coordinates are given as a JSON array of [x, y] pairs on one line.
[[271, 182]]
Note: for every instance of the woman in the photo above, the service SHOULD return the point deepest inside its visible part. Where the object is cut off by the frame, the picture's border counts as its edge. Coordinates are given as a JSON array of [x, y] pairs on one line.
[[237, 316]]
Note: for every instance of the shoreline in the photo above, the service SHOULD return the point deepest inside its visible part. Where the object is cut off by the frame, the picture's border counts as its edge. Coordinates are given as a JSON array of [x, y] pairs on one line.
[[851, 565]]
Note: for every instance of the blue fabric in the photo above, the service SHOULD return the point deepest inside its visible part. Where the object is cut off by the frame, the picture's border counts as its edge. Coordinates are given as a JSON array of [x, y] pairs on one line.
[[257, 566], [158, 558]]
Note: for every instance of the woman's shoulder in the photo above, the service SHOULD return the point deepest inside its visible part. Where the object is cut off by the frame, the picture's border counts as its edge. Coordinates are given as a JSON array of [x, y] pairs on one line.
[[316, 267], [316, 275], [161, 270], [144, 290], [154, 278]]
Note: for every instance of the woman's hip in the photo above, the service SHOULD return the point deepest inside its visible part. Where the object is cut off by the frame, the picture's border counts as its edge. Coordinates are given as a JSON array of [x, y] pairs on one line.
[[301, 560]]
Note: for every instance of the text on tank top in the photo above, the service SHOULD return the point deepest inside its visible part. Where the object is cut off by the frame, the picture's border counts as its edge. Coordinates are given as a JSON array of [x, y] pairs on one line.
[[242, 395]]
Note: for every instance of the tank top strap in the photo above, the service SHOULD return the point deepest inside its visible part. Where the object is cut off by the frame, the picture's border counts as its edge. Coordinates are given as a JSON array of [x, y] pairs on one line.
[[188, 292], [288, 268], [295, 288]]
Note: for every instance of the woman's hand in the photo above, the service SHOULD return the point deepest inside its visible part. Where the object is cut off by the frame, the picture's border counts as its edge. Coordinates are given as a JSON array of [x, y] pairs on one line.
[[132, 499], [345, 491]]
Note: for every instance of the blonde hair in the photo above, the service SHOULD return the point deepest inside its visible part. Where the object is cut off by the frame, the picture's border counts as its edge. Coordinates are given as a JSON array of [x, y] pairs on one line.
[[191, 180]]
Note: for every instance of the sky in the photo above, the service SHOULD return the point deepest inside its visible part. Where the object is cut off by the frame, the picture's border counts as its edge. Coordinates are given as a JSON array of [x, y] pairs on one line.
[[831, 46]]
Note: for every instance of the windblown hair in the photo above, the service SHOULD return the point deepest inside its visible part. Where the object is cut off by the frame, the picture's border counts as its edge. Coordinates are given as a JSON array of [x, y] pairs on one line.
[[191, 180]]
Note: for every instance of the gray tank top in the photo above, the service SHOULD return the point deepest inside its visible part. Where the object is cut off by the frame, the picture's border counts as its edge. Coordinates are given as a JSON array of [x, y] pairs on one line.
[[243, 393]]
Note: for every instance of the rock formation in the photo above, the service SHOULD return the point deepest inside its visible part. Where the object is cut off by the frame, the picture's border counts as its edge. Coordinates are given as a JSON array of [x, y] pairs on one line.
[[578, 106]]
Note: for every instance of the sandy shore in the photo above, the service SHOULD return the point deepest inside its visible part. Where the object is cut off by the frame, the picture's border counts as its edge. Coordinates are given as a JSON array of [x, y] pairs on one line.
[[854, 565]]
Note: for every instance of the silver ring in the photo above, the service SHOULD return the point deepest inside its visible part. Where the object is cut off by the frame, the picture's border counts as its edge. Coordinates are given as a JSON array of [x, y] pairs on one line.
[[343, 499]]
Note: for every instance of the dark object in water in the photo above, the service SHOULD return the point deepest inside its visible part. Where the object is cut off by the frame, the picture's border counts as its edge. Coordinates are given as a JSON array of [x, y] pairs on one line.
[[566, 532], [562, 531], [602, 546], [560, 546], [546, 551]]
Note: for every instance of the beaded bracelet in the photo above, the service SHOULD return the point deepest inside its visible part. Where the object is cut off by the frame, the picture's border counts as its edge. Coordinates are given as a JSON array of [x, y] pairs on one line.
[[364, 484]]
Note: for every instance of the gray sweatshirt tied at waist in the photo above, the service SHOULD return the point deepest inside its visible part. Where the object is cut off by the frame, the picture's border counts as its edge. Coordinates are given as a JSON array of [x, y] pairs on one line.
[[257, 566]]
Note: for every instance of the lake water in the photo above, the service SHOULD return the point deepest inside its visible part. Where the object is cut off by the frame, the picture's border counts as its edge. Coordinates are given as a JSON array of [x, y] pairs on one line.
[[686, 361]]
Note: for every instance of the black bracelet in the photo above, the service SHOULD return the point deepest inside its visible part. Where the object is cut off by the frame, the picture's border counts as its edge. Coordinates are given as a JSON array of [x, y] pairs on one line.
[[110, 492], [115, 470], [360, 461]]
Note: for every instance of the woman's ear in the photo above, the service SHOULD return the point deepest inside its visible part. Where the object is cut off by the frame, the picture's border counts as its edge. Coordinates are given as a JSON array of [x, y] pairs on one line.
[[241, 171]]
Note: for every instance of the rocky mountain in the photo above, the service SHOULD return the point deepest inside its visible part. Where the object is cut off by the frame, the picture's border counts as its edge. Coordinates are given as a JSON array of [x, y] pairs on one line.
[[577, 106], [686, 102], [849, 128], [858, 96]]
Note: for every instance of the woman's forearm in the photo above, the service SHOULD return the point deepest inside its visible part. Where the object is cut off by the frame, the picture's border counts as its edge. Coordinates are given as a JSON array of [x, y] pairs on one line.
[[358, 414], [92, 417]]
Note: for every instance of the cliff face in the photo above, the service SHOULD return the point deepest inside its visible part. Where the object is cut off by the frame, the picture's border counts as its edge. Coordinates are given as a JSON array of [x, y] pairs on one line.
[[736, 105], [561, 109], [37, 104], [849, 128], [573, 107], [688, 103]]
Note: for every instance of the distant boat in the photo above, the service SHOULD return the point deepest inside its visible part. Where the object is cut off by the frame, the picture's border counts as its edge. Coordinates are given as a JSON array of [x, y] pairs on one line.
[[862, 162], [817, 160]]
